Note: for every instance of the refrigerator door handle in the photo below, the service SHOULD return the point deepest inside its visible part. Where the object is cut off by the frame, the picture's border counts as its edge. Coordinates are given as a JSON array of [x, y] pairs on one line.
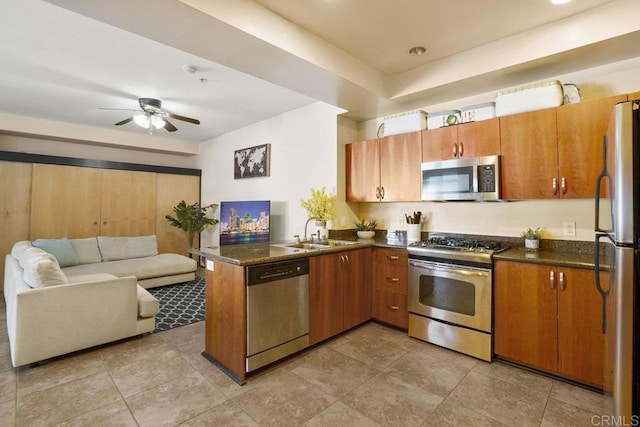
[[602, 292], [601, 176]]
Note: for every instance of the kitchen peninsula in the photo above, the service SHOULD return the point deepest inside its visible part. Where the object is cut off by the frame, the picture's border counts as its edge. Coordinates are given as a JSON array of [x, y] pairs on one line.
[[290, 269]]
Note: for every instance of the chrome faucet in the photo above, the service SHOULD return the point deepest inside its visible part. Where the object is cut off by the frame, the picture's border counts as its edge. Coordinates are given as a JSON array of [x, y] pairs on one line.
[[305, 227]]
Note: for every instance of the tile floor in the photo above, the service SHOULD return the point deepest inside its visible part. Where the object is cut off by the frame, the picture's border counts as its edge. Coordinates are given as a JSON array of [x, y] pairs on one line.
[[370, 376]]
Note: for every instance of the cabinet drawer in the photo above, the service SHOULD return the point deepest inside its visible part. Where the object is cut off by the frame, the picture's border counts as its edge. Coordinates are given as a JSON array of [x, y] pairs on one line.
[[391, 308], [390, 278], [391, 256]]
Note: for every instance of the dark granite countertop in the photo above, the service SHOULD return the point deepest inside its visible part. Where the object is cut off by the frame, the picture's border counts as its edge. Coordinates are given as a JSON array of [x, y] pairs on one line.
[[552, 252], [563, 259]]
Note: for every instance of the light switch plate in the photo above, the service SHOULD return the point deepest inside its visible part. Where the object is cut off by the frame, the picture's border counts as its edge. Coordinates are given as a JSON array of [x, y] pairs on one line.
[[210, 265]]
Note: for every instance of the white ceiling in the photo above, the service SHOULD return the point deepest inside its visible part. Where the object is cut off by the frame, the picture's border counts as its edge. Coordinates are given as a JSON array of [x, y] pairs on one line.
[[62, 60]]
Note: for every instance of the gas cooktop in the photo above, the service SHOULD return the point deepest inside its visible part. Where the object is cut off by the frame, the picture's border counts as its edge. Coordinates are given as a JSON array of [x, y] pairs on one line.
[[457, 248]]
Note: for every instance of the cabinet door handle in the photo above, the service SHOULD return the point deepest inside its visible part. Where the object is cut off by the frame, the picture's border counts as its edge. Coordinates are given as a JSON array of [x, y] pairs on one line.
[[563, 185], [381, 193], [461, 150], [104, 222], [377, 192], [454, 152], [95, 222], [342, 258], [554, 186], [392, 279], [563, 285], [346, 258], [393, 307], [552, 279], [393, 257]]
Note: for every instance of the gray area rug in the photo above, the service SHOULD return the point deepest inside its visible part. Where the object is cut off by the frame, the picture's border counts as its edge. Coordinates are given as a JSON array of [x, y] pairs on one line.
[[180, 304]]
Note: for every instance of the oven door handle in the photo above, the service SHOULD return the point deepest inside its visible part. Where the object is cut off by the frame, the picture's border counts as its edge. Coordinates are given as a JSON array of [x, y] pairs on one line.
[[448, 268]]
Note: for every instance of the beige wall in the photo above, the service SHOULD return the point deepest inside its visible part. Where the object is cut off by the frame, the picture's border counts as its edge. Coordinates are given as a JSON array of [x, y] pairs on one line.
[[510, 218]]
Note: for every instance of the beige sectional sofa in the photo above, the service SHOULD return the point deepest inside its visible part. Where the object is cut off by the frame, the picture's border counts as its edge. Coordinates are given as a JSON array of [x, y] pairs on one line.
[[79, 293]]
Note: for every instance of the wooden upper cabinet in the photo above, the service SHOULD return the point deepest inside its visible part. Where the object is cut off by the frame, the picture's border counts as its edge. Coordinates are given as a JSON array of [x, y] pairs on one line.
[[400, 176], [525, 312], [128, 206], [385, 169], [633, 95], [65, 202], [474, 139], [362, 171], [439, 144], [581, 127], [529, 151]]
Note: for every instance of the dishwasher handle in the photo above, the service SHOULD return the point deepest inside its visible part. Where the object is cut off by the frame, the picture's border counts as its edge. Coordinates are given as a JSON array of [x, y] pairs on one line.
[[265, 273]]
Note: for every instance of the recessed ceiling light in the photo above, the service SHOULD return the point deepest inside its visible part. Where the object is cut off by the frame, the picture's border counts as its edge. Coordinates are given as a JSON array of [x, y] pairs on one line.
[[417, 50], [560, 1]]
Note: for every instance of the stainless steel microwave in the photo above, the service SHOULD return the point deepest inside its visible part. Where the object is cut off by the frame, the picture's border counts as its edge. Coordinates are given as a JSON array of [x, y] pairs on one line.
[[473, 178]]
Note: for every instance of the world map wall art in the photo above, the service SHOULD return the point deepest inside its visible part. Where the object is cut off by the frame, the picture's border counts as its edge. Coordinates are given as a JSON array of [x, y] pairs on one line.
[[252, 162]]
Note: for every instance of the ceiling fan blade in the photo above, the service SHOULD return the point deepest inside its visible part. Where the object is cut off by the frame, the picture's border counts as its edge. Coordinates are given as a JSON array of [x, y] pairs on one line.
[[116, 109], [169, 127], [124, 122], [184, 119]]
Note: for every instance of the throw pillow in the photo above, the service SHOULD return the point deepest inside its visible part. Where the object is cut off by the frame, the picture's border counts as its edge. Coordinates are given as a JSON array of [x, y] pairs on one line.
[[59, 248], [86, 250], [19, 247], [42, 269]]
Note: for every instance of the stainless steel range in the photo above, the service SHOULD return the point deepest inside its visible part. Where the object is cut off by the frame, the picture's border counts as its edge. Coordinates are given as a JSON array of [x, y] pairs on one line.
[[450, 293]]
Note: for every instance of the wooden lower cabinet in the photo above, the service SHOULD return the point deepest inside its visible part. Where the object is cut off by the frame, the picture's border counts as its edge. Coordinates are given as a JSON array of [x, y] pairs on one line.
[[390, 271], [339, 292], [549, 317], [225, 337]]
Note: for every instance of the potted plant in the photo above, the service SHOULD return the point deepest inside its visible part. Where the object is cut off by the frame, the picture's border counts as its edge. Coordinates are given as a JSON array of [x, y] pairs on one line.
[[365, 229], [192, 219], [531, 238], [321, 206]]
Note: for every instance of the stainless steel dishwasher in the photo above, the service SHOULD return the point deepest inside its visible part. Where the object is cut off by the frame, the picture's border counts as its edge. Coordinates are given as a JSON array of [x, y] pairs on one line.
[[277, 311]]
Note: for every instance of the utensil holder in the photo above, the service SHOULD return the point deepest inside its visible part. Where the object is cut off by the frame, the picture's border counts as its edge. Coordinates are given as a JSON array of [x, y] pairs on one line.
[[414, 233]]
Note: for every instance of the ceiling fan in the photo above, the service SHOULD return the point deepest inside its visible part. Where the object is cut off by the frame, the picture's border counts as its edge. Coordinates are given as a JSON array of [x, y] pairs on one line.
[[151, 115]]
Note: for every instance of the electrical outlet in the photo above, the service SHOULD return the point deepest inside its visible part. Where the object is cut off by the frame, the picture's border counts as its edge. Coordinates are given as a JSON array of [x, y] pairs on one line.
[[569, 228], [400, 221]]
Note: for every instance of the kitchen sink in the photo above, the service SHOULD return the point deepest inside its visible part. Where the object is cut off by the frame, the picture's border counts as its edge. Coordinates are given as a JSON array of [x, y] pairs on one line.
[[326, 244], [306, 246]]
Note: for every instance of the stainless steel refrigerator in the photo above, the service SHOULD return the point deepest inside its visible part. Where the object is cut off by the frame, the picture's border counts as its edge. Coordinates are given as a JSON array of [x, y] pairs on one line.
[[617, 226]]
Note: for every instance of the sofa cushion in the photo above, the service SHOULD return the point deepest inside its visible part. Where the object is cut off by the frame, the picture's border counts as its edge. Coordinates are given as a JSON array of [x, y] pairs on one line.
[[143, 268], [18, 249], [117, 248], [148, 305], [95, 277], [86, 250], [41, 269], [59, 248]]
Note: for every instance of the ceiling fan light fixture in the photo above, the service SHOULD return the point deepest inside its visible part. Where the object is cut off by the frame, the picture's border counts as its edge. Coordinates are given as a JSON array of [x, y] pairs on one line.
[[141, 120], [157, 122]]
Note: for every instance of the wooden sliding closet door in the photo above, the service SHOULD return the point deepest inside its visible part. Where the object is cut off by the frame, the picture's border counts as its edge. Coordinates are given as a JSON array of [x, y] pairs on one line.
[[65, 201], [171, 189], [15, 201], [128, 203]]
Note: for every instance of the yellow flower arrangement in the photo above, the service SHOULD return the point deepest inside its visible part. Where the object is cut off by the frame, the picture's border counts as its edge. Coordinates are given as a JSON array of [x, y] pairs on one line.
[[321, 205]]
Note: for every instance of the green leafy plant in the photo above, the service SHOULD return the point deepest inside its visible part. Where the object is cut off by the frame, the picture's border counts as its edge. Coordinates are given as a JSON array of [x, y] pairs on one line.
[[192, 219], [321, 205], [366, 225], [531, 234]]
